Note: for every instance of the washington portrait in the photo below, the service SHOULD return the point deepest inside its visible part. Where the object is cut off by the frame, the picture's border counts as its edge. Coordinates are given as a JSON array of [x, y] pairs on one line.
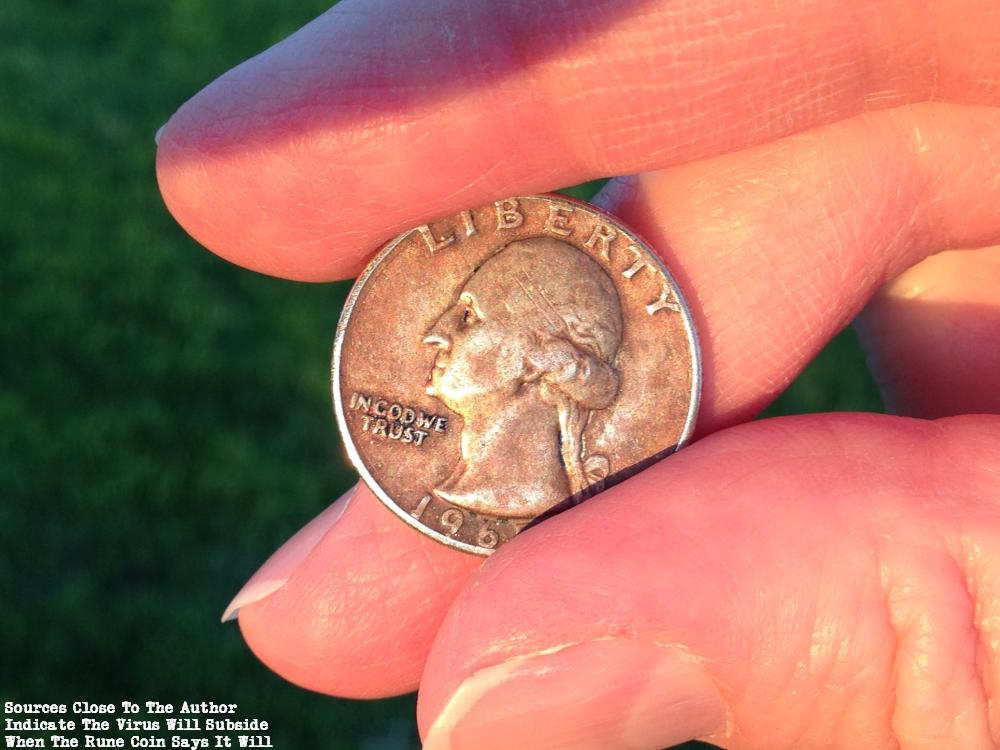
[[525, 355]]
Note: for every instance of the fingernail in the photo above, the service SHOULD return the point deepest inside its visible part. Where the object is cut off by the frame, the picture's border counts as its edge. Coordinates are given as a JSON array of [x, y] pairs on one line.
[[609, 693], [159, 132], [273, 574]]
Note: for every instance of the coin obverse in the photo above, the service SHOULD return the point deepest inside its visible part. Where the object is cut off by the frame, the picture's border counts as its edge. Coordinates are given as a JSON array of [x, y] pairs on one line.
[[508, 362]]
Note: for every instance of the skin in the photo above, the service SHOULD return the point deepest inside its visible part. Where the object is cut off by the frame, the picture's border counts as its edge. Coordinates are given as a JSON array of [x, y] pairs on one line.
[[818, 581]]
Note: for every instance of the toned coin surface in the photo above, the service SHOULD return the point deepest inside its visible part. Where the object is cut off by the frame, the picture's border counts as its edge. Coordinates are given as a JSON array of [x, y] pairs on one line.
[[508, 362]]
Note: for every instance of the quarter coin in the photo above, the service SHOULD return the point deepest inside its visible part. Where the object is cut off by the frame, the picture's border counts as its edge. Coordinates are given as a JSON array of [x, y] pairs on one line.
[[498, 365]]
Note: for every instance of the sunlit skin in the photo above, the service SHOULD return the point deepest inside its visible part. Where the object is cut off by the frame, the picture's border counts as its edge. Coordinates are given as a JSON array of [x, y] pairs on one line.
[[822, 581]]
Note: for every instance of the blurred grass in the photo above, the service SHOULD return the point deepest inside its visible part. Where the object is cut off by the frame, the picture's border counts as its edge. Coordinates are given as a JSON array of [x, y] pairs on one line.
[[164, 416]]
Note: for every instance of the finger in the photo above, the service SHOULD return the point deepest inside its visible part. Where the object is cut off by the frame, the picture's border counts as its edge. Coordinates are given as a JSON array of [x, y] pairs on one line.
[[279, 567], [351, 608], [377, 116], [779, 247], [933, 336], [817, 581]]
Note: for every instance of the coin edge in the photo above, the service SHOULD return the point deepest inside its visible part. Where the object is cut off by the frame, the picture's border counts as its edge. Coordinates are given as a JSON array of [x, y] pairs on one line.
[[341, 330]]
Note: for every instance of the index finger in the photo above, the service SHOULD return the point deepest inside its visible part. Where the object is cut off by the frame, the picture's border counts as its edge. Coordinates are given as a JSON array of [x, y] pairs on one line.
[[376, 117]]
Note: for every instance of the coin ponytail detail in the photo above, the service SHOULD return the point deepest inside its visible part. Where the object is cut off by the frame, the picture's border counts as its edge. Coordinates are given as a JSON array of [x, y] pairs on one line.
[[576, 382]]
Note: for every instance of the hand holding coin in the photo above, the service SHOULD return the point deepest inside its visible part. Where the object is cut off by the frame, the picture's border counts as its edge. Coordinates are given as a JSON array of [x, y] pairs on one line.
[[816, 581]]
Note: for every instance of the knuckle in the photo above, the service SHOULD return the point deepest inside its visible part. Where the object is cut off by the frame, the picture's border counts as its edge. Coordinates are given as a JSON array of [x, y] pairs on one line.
[[940, 608]]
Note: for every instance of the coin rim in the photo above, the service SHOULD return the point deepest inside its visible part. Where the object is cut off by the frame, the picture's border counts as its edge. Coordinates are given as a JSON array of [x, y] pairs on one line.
[[345, 317]]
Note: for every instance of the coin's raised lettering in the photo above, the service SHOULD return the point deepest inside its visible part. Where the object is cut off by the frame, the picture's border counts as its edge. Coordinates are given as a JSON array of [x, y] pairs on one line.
[[509, 214], [665, 301], [469, 222], [602, 236], [421, 506], [396, 412], [361, 401], [452, 520], [557, 222], [435, 244], [379, 427], [638, 263], [487, 537]]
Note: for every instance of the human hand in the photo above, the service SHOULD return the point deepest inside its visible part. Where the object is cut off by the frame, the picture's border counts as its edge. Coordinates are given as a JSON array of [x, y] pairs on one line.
[[827, 580]]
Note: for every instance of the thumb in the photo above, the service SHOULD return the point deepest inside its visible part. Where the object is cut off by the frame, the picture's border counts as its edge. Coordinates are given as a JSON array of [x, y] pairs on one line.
[[816, 581], [610, 693], [931, 335]]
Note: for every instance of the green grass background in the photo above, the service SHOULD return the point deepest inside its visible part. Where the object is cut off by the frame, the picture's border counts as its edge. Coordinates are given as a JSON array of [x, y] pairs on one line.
[[164, 416]]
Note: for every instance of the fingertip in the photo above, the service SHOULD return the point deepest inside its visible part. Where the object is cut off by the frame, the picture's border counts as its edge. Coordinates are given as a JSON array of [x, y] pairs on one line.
[[357, 617], [931, 336], [218, 178], [281, 565]]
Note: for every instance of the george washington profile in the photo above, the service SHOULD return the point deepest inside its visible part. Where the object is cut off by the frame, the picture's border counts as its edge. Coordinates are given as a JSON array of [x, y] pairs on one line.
[[526, 354]]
